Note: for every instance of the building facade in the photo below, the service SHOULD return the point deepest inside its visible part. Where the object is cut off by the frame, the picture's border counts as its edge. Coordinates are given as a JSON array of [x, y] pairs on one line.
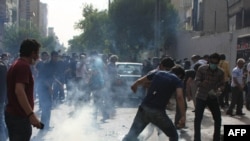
[[239, 13], [225, 29], [33, 12], [3, 16], [43, 19], [28, 10]]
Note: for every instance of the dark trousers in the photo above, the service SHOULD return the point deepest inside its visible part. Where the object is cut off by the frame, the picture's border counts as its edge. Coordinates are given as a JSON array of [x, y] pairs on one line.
[[159, 118], [237, 99], [248, 96], [19, 128], [3, 130], [178, 112], [200, 106], [224, 97]]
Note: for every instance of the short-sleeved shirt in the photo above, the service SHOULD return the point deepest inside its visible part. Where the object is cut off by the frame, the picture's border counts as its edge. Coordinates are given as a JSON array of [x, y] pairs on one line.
[[248, 72], [19, 72], [163, 85], [238, 74]]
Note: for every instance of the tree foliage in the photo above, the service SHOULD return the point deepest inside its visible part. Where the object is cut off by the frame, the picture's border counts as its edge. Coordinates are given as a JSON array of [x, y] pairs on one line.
[[14, 34], [136, 25], [94, 28], [127, 28]]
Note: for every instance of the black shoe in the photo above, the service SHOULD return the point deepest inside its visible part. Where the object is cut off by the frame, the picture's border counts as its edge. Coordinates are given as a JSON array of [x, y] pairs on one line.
[[230, 113], [240, 114]]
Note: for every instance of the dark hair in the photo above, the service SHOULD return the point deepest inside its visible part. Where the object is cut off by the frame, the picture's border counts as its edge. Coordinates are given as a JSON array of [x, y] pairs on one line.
[[178, 71], [44, 53], [205, 56], [196, 66], [222, 56], [28, 46], [167, 62], [4, 55], [215, 56], [53, 53], [113, 58], [93, 53]]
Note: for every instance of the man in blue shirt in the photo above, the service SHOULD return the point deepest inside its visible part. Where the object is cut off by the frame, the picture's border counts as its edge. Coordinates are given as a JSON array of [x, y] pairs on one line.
[[152, 109]]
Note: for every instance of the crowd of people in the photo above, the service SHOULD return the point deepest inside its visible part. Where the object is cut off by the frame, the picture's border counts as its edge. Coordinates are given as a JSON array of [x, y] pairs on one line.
[[54, 78], [208, 81], [51, 79]]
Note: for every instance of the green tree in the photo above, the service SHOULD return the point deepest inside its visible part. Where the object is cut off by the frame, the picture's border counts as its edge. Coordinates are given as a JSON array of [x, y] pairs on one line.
[[49, 43], [135, 24], [95, 34], [76, 44], [14, 35], [127, 28]]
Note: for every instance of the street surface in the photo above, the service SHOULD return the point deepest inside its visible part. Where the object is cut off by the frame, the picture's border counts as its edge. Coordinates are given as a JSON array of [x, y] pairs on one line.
[[70, 124]]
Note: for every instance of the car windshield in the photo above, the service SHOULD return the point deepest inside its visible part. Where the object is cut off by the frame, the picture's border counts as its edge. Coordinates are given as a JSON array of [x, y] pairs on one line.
[[129, 69]]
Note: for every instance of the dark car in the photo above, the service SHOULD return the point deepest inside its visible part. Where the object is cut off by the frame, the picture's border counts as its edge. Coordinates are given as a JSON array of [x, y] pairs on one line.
[[128, 72]]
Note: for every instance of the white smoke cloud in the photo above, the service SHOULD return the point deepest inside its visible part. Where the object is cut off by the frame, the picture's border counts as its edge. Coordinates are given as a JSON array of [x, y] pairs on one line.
[[70, 124]]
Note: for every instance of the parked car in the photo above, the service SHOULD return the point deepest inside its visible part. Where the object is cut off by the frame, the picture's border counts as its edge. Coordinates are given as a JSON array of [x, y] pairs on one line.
[[128, 72]]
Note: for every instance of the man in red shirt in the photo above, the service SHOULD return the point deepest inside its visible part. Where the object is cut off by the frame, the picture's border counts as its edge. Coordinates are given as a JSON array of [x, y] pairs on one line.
[[19, 115]]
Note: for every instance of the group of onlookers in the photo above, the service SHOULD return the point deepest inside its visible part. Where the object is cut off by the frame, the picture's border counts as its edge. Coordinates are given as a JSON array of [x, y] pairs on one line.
[[209, 82], [229, 93], [78, 80], [52, 78]]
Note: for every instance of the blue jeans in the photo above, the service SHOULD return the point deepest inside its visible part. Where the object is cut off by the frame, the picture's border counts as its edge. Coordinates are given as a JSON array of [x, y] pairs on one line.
[[214, 107], [159, 118], [19, 128], [3, 129], [45, 101]]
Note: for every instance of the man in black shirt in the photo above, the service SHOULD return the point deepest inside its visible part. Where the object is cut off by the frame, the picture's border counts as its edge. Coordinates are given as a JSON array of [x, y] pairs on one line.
[[152, 109]]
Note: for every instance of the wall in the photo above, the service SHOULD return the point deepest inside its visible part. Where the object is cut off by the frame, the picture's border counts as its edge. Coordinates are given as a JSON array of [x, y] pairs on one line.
[[190, 43], [214, 16]]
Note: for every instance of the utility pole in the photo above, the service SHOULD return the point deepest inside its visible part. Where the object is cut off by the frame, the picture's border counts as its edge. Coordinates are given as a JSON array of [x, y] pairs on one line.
[[157, 28], [2, 16], [195, 15], [227, 15]]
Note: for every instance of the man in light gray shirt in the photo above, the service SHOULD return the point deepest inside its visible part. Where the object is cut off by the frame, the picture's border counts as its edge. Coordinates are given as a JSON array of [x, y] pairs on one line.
[[237, 86]]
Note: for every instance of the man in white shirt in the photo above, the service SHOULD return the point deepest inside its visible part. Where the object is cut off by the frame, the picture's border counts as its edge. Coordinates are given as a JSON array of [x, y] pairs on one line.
[[237, 86]]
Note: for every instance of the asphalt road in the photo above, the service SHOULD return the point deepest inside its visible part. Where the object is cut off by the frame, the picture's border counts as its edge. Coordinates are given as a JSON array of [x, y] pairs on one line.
[[71, 124]]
